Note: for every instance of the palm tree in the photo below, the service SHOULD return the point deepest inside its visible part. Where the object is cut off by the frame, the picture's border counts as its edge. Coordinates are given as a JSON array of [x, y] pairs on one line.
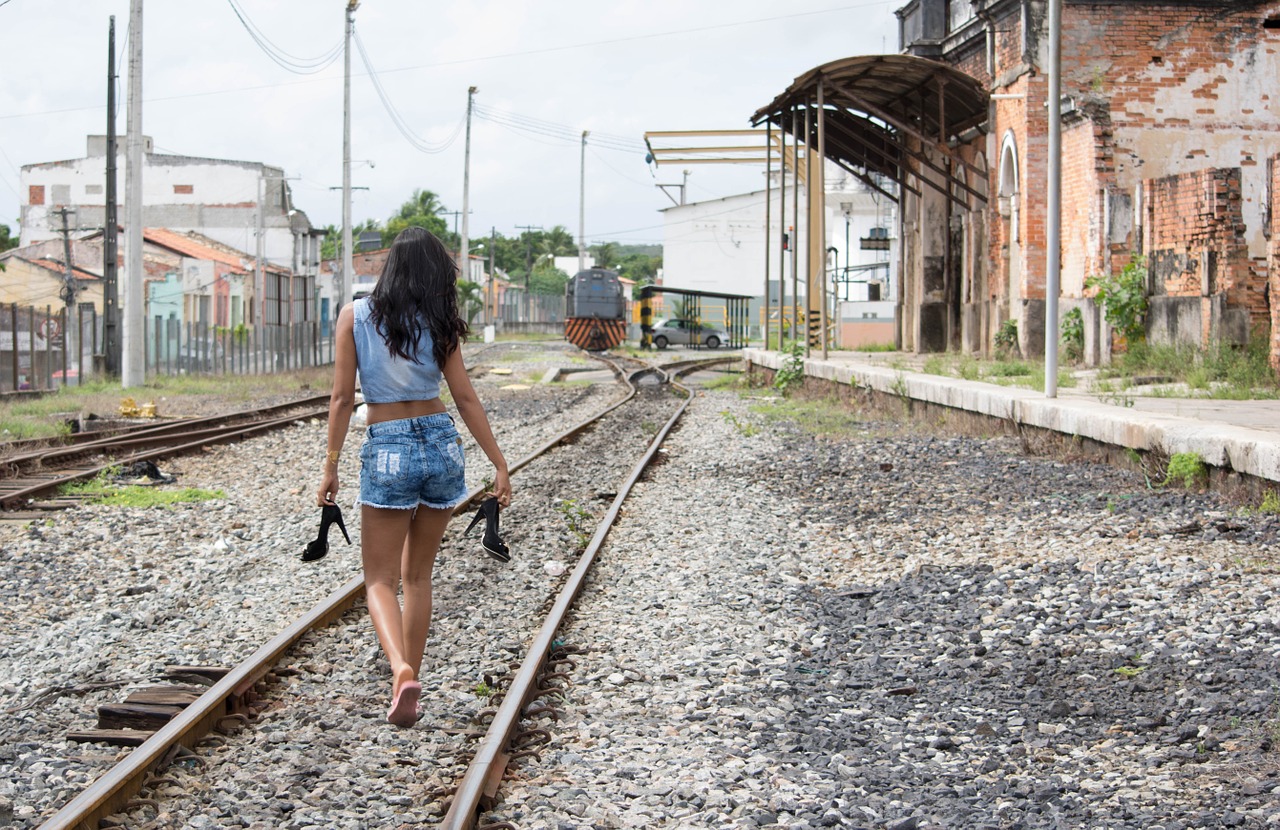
[[606, 255]]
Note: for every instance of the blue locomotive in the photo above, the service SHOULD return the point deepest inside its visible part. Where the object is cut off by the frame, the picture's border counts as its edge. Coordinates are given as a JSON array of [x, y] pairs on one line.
[[595, 310]]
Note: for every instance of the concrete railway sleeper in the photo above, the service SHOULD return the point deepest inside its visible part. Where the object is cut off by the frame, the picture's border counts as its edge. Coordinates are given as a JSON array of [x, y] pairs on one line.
[[229, 702]]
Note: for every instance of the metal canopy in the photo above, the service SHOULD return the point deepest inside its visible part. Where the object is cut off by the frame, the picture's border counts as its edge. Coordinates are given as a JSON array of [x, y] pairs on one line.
[[880, 111]]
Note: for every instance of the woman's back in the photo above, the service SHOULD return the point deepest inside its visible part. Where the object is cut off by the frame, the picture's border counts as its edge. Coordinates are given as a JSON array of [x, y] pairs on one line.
[[388, 378]]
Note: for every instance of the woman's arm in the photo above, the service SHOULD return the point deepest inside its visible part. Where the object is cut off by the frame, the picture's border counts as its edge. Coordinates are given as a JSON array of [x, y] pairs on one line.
[[341, 403], [473, 415]]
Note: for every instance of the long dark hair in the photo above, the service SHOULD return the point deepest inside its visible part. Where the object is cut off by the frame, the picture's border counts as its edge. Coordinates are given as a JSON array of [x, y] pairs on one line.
[[418, 287]]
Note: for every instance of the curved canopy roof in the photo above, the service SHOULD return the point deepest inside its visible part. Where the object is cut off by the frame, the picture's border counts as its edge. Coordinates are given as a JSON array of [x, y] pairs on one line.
[[878, 112]]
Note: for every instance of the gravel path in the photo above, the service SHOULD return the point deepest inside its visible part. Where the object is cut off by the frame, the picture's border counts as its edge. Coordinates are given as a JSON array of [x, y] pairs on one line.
[[97, 599], [887, 630], [788, 634]]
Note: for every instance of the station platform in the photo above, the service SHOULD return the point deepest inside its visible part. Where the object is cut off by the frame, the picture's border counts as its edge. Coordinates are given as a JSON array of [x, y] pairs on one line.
[[1240, 436]]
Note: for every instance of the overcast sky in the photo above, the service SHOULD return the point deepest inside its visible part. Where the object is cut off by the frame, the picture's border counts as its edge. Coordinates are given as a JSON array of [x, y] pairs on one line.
[[615, 67]]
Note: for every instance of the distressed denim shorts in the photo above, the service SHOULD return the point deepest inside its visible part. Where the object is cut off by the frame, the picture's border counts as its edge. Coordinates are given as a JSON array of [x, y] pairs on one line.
[[413, 461]]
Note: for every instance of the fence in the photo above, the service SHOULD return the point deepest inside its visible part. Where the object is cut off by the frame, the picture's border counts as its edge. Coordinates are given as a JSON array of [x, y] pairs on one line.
[[35, 354]]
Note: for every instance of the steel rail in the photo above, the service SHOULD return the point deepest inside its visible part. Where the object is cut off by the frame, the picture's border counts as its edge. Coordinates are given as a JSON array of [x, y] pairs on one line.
[[179, 427], [14, 498], [113, 790], [489, 762]]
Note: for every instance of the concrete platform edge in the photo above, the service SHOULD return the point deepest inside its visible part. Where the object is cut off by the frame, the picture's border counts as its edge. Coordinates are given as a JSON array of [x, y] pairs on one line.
[[1248, 451]]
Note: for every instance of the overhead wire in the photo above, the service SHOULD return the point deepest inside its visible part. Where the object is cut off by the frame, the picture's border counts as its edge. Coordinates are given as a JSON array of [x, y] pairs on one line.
[[396, 118], [563, 132], [293, 63]]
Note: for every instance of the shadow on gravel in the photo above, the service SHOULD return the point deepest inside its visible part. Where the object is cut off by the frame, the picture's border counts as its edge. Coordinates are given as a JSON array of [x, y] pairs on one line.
[[1019, 698]]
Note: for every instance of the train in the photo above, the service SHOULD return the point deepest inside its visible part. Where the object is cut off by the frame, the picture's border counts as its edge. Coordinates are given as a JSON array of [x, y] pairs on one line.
[[595, 310]]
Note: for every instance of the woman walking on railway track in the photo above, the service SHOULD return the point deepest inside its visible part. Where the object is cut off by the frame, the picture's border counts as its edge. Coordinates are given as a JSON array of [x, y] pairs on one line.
[[402, 339]]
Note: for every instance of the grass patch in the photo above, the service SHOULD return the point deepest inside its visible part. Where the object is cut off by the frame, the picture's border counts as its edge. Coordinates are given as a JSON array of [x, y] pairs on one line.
[[876, 347], [101, 490], [829, 417], [1221, 371]]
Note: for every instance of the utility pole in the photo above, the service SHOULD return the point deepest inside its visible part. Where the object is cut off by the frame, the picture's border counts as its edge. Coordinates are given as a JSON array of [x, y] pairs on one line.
[[133, 364], [343, 284], [1053, 225], [528, 263], [71, 336], [110, 262], [259, 278], [582, 206], [464, 251], [488, 287]]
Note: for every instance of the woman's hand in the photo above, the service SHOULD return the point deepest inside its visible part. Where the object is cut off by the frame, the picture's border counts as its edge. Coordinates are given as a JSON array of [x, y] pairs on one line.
[[328, 491], [501, 488]]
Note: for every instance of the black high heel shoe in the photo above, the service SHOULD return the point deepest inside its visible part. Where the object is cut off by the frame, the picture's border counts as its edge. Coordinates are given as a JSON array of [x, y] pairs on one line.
[[317, 548], [491, 542]]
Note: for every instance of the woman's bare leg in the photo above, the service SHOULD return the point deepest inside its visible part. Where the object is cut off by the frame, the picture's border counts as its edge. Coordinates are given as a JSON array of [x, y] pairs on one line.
[[418, 561], [383, 535]]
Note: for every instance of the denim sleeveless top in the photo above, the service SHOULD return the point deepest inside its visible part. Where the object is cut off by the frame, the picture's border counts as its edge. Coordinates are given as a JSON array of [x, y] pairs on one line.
[[385, 378]]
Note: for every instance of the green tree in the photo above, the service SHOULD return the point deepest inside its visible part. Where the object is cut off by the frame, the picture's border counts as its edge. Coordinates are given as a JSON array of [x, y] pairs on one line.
[[606, 255], [557, 242], [331, 245], [7, 241], [422, 210], [547, 279], [641, 268], [470, 300]]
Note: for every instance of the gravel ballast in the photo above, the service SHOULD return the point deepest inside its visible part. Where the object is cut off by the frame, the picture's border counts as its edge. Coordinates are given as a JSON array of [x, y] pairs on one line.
[[889, 629]]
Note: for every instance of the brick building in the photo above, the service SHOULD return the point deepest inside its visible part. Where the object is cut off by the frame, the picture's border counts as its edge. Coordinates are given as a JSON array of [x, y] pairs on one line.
[[1170, 128]]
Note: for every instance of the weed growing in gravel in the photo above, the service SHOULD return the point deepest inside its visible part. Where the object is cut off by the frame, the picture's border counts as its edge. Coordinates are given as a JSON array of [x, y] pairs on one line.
[[1130, 672], [792, 371], [483, 690], [746, 429], [579, 520], [1187, 468], [730, 381], [101, 490], [1270, 503], [826, 418]]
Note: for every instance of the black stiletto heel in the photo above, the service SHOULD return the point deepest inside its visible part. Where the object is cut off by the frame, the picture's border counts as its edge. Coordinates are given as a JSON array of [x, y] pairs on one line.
[[330, 514], [491, 542]]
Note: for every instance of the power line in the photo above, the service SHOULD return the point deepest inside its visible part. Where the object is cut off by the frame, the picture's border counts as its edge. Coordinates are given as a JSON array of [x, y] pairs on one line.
[[293, 63], [396, 118], [479, 59], [560, 132]]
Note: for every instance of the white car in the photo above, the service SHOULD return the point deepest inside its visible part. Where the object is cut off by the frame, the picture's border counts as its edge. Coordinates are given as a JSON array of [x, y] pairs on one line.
[[687, 333]]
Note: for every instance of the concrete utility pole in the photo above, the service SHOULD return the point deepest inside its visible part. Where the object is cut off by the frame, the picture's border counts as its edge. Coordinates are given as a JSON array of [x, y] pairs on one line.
[[488, 286], [464, 250], [343, 283], [1053, 223], [582, 206], [110, 255], [133, 364], [528, 266], [71, 337]]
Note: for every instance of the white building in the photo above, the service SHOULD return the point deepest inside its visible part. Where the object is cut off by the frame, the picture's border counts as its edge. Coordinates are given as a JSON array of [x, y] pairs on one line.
[[242, 204], [719, 246]]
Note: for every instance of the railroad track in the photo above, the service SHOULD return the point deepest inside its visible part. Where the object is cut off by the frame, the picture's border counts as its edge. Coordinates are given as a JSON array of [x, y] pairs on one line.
[[229, 696], [31, 473]]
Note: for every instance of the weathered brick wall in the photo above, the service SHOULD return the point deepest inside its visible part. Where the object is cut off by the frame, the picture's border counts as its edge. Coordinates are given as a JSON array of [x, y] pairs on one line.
[[1193, 236], [1169, 88]]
